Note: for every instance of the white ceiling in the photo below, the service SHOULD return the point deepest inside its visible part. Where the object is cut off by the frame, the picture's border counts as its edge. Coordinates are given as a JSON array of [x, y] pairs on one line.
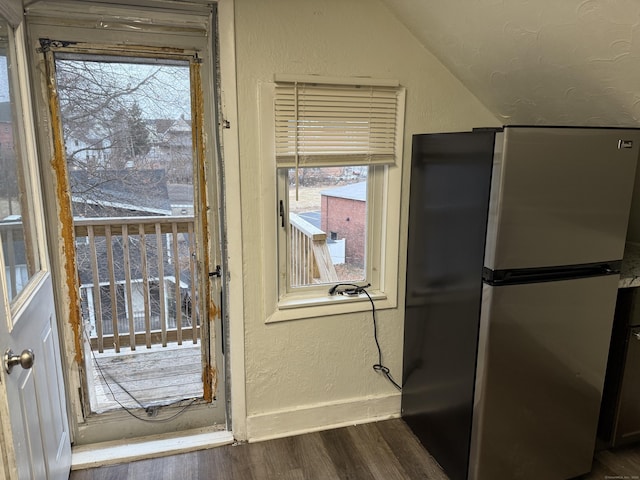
[[553, 62]]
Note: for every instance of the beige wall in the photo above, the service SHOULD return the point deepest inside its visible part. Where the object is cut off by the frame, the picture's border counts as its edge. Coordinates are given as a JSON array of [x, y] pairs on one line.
[[311, 373]]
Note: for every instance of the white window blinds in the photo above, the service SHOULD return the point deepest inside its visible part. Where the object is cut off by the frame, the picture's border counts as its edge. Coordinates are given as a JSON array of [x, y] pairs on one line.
[[322, 125]]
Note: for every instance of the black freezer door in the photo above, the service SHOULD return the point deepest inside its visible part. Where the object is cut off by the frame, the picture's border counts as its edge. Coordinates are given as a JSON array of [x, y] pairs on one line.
[[450, 181]]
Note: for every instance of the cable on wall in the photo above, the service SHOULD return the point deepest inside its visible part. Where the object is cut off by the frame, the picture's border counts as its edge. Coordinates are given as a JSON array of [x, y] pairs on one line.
[[352, 289]]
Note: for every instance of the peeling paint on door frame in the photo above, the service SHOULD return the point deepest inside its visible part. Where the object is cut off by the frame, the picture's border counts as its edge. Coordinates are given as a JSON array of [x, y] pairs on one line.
[[65, 216], [209, 310]]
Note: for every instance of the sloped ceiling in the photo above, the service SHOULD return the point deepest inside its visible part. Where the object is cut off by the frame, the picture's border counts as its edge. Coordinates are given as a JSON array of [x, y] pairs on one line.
[[552, 62]]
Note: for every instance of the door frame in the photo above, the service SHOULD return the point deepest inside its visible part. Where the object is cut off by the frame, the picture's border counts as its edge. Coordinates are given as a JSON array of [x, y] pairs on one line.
[[42, 24], [233, 298]]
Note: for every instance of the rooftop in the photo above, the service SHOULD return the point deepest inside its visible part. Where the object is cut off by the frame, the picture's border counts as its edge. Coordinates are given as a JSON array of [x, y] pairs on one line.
[[128, 189], [354, 191]]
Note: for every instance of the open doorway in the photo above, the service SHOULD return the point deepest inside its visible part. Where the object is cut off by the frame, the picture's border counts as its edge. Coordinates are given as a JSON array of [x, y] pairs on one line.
[[135, 189], [128, 139]]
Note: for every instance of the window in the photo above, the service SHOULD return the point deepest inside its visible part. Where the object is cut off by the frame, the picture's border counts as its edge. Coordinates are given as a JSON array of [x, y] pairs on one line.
[[336, 145], [327, 226], [18, 224]]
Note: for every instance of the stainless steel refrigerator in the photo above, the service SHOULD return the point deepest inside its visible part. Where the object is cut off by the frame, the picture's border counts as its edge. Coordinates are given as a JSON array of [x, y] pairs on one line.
[[515, 242]]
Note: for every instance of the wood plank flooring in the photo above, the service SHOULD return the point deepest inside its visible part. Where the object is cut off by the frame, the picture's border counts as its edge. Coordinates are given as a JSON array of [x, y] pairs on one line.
[[618, 464], [156, 376], [377, 451]]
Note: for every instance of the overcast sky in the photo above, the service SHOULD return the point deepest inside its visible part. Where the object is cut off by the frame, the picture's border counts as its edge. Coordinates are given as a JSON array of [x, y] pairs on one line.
[[161, 91]]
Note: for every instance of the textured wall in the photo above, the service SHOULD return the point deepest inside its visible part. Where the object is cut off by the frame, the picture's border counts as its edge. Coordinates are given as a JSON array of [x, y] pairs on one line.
[[569, 62], [305, 363]]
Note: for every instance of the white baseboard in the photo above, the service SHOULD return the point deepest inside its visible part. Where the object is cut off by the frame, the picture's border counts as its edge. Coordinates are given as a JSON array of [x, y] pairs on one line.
[[264, 426], [325, 416]]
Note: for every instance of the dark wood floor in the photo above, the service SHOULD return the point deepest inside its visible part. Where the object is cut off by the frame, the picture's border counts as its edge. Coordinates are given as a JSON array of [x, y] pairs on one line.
[[376, 451]]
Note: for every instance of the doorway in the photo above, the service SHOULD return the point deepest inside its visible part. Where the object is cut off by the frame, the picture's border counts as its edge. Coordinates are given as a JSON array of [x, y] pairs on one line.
[[135, 191], [128, 136]]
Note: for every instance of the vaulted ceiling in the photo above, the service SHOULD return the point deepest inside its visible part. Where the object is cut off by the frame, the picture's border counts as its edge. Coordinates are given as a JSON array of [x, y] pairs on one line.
[[553, 62]]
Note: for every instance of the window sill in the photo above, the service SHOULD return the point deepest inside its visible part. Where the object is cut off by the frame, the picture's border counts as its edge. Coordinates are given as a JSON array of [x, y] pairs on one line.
[[299, 308]]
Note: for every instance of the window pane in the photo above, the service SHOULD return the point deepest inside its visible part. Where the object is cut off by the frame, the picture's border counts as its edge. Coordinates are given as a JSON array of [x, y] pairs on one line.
[[328, 225], [20, 259], [127, 134]]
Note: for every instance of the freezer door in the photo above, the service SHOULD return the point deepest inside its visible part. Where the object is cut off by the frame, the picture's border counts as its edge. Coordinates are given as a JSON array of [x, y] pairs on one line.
[[542, 358], [560, 196]]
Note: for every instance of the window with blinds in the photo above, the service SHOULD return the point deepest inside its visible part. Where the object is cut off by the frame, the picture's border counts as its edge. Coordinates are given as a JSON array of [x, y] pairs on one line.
[[327, 124], [338, 146]]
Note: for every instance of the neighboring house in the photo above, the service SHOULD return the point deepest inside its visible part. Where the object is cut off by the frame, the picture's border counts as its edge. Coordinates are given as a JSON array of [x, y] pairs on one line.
[[343, 216], [87, 149], [172, 148]]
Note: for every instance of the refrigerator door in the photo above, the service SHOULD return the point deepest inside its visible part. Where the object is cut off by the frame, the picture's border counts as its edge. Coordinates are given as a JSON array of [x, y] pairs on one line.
[[560, 196], [542, 357], [450, 180]]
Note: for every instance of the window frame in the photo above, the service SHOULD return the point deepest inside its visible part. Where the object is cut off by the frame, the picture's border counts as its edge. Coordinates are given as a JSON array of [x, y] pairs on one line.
[[375, 180], [285, 303]]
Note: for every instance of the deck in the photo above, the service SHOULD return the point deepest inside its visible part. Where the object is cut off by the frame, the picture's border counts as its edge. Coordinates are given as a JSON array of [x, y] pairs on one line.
[[145, 377]]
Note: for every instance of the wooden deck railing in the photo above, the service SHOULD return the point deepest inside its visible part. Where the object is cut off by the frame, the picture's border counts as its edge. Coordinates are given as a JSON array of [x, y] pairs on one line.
[[310, 257], [138, 276], [138, 280]]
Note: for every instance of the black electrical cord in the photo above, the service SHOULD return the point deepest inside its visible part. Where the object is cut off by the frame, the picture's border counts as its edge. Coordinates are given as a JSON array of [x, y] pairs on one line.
[[353, 289]]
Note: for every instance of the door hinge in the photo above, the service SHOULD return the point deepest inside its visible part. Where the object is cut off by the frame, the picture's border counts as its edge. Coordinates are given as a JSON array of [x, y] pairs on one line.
[[217, 272], [46, 45]]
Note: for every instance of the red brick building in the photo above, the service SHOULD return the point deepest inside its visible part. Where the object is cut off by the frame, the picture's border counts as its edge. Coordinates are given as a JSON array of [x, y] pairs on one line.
[[344, 215]]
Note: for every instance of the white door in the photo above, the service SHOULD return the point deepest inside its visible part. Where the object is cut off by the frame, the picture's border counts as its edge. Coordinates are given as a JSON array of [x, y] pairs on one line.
[[35, 398], [35, 431]]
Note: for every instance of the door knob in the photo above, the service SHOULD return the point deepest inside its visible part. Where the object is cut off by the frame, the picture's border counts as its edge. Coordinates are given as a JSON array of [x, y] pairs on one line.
[[25, 359]]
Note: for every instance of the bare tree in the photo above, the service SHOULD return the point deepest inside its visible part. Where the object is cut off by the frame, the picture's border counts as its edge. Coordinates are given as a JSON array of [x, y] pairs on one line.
[[120, 115]]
